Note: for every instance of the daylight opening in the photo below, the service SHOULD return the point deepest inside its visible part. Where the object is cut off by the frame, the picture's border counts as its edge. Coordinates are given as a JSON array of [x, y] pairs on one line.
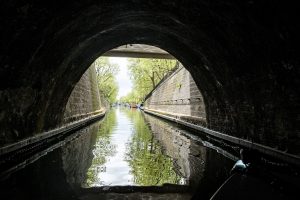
[[128, 150]]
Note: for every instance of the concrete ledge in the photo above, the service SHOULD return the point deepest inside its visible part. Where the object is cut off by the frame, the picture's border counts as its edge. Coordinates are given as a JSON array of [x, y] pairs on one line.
[[73, 118], [191, 119], [286, 157], [42, 136]]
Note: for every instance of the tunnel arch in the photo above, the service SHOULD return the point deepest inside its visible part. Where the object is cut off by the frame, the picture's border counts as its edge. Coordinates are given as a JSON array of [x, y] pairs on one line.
[[241, 64], [153, 36]]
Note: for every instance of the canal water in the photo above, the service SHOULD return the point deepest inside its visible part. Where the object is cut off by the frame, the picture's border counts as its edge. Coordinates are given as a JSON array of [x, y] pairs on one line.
[[126, 153], [128, 147]]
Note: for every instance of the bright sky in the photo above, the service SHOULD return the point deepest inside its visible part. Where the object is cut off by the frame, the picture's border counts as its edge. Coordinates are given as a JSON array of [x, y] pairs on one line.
[[123, 79]]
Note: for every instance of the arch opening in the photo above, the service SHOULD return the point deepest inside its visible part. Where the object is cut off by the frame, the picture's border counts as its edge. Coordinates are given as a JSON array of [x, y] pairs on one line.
[[244, 82], [243, 57], [172, 91]]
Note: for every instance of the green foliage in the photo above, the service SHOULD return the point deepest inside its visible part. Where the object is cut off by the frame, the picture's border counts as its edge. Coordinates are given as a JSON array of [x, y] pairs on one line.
[[148, 164], [178, 85], [145, 156], [106, 78], [133, 97], [103, 149], [146, 74]]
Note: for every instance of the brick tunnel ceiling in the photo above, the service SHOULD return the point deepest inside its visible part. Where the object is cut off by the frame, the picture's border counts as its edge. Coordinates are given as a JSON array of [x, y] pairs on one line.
[[243, 55]]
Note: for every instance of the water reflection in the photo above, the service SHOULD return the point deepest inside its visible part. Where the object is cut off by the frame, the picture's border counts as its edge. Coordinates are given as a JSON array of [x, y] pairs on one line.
[[127, 148], [149, 165], [203, 168], [57, 174], [126, 153], [133, 148], [102, 150]]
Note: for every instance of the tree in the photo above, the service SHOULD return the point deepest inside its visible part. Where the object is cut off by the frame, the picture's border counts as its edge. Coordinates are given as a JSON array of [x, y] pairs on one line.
[[146, 74], [106, 80]]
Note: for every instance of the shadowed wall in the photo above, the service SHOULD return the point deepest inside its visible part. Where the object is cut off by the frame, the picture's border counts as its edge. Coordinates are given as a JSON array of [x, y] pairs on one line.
[[243, 56]]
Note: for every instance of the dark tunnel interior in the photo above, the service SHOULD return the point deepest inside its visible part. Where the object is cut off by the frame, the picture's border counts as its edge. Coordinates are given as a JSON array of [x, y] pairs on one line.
[[243, 56]]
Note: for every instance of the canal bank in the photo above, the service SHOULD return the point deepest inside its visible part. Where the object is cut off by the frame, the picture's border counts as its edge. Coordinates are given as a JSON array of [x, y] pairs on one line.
[[130, 154], [127, 152], [264, 173], [241, 143]]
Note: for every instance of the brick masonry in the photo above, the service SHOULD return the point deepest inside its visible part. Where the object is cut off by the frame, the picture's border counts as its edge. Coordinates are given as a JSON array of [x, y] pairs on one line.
[[178, 95], [243, 55], [85, 99]]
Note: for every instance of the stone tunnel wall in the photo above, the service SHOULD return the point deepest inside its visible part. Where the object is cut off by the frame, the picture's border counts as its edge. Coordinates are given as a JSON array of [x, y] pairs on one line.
[[85, 99], [243, 55], [179, 96]]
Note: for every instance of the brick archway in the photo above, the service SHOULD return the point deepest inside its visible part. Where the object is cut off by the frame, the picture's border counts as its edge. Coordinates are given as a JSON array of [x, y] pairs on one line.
[[243, 59]]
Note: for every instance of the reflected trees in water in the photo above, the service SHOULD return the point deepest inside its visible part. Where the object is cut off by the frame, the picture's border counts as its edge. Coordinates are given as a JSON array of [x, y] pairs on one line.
[[146, 162], [145, 156], [103, 149]]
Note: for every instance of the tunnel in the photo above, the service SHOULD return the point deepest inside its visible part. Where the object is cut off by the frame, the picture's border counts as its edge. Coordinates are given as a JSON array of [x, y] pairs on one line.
[[242, 55]]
